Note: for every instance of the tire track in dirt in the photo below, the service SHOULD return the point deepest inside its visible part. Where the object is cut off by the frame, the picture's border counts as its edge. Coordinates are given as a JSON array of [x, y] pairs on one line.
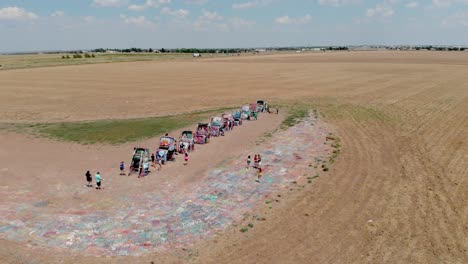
[[337, 201]]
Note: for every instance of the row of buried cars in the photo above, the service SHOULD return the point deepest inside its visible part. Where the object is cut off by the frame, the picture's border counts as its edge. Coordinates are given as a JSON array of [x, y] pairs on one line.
[[169, 147]]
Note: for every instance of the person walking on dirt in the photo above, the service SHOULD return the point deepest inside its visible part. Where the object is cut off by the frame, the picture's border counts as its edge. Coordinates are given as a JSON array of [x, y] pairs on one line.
[[186, 158], [122, 168], [152, 159], [89, 179], [259, 160], [159, 163], [248, 161], [259, 174], [277, 110], [98, 180], [255, 161]]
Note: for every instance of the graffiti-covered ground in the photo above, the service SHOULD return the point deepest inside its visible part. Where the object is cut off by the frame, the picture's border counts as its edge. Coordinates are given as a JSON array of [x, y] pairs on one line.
[[171, 218]]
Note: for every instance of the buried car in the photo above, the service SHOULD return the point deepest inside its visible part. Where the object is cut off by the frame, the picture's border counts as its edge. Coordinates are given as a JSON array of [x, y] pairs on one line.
[[245, 112], [215, 126], [202, 136], [140, 158], [237, 118], [186, 141], [166, 150]]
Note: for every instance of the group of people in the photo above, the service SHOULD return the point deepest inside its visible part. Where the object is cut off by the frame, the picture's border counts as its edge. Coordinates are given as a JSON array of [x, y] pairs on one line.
[[89, 179], [145, 168], [256, 165]]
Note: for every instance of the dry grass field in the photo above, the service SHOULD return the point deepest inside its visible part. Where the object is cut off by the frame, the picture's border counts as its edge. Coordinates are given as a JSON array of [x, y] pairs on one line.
[[9, 62], [397, 193]]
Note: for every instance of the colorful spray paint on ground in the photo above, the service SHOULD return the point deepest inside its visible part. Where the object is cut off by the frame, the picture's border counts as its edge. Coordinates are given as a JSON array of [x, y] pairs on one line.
[[171, 219]]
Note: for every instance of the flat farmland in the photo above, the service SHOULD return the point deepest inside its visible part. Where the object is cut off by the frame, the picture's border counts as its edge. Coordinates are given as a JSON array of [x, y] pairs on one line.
[[396, 194]]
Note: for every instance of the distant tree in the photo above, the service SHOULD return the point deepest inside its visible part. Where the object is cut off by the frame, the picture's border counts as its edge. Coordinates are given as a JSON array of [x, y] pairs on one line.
[[92, 55], [150, 50]]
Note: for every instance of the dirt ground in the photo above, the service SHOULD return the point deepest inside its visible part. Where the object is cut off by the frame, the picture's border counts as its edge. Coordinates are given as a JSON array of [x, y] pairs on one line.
[[396, 194]]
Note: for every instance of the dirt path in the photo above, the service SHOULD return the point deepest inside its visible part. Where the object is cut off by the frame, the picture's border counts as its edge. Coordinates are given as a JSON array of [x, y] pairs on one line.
[[60, 190], [55, 170]]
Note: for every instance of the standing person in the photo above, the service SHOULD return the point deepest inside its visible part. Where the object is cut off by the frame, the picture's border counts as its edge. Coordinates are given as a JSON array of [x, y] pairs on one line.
[[152, 159], [122, 168], [98, 180], [255, 161], [259, 174], [89, 179], [255, 115], [186, 158], [159, 163], [277, 110], [248, 161], [259, 160]]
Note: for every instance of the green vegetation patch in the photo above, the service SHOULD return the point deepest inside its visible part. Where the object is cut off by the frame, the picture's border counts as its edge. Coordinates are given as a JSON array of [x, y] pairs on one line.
[[119, 131], [295, 114]]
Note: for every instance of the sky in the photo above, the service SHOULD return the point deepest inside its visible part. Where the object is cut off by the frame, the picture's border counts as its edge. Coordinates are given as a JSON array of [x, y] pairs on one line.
[[33, 25]]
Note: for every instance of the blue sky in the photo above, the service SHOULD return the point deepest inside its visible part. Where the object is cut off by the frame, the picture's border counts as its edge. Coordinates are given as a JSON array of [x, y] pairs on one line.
[[31, 25]]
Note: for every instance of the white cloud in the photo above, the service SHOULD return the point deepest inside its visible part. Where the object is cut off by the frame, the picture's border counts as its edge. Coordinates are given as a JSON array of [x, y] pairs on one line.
[[210, 16], [58, 13], [109, 3], [148, 4], [179, 13], [138, 21], [210, 21], [338, 2], [412, 4], [446, 3], [380, 11], [137, 7], [286, 20], [252, 4], [16, 13]]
